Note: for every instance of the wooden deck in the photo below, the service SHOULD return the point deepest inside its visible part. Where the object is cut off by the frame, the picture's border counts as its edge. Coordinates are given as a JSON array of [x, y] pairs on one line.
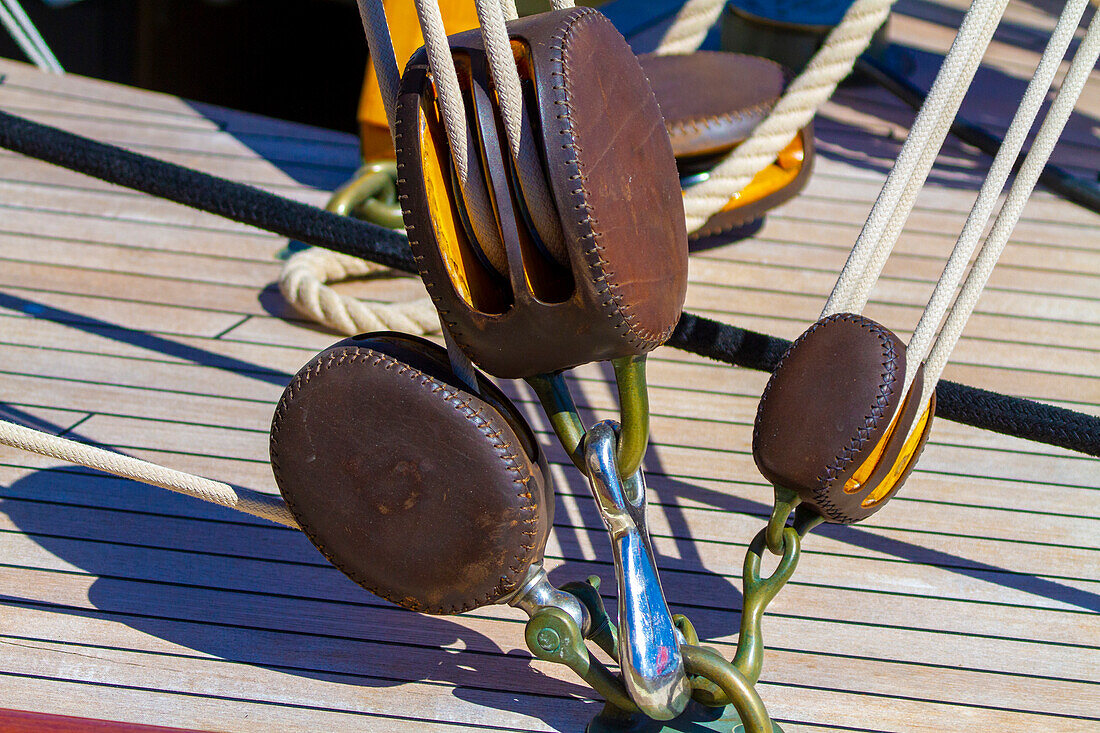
[[970, 603]]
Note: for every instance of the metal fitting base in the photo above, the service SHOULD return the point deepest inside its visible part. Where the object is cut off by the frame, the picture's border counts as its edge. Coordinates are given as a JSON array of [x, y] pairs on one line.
[[695, 719]]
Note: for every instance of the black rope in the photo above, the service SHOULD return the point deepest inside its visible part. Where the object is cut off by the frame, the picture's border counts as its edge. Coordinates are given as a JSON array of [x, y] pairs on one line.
[[198, 190], [957, 402], [961, 403]]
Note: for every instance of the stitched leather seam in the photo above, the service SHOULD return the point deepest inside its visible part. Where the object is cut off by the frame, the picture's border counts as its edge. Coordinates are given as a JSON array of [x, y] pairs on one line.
[[611, 301], [356, 354], [696, 124], [414, 243], [876, 412]]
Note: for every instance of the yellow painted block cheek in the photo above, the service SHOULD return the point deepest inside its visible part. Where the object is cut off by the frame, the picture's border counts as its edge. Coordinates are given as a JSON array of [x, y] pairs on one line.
[[780, 173], [904, 460]]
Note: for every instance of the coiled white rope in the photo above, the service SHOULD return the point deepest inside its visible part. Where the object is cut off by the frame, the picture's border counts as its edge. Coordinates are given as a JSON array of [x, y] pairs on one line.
[[27, 37], [303, 283]]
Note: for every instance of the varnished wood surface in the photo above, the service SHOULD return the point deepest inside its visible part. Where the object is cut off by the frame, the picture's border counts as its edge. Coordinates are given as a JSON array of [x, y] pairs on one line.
[[20, 721], [969, 603]]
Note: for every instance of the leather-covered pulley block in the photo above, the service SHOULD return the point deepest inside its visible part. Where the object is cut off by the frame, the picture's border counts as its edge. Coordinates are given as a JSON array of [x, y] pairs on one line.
[[711, 102], [612, 177], [833, 423], [427, 495]]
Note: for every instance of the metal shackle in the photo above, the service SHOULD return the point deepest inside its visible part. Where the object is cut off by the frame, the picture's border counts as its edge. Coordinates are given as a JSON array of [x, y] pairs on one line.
[[649, 644]]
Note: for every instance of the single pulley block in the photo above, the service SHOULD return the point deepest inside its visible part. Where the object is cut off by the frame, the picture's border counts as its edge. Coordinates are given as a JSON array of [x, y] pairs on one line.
[[711, 102], [615, 284], [418, 490], [833, 422]]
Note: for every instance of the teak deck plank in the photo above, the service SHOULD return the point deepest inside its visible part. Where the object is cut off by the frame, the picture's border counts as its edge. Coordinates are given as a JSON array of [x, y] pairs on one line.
[[969, 603]]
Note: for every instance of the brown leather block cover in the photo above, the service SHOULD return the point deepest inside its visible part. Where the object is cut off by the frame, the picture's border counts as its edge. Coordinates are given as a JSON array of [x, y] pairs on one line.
[[422, 493], [827, 405], [613, 178], [712, 100]]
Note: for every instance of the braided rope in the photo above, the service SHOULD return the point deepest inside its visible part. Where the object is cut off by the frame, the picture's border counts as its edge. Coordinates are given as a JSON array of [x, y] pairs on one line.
[[383, 57], [924, 334], [243, 500], [690, 26], [303, 284], [1045, 140], [915, 159], [520, 137], [467, 167], [795, 109], [26, 35]]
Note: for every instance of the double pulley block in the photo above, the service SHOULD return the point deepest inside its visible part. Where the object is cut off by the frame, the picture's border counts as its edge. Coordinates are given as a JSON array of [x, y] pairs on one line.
[[427, 486]]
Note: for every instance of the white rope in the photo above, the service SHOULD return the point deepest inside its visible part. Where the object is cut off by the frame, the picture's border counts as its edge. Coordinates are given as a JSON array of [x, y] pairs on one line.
[[520, 136], [562, 4], [690, 26], [448, 93], [244, 500], [509, 9], [383, 57], [793, 112], [1084, 61], [471, 181], [890, 232], [303, 284], [999, 171], [915, 158], [27, 37]]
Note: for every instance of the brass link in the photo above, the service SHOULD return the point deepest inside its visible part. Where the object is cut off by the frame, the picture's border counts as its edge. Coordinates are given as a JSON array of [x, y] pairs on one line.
[[559, 406], [371, 194], [707, 664], [786, 501], [757, 594]]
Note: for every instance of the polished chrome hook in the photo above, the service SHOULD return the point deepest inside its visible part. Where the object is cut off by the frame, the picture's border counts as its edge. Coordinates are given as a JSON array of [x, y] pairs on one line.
[[649, 645], [537, 593]]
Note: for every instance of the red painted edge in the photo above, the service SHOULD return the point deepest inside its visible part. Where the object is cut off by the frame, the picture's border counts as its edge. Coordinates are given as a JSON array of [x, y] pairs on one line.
[[20, 721]]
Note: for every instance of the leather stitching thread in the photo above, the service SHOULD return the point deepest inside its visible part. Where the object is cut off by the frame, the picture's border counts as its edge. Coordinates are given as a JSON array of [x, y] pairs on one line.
[[876, 411], [353, 354], [611, 301]]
